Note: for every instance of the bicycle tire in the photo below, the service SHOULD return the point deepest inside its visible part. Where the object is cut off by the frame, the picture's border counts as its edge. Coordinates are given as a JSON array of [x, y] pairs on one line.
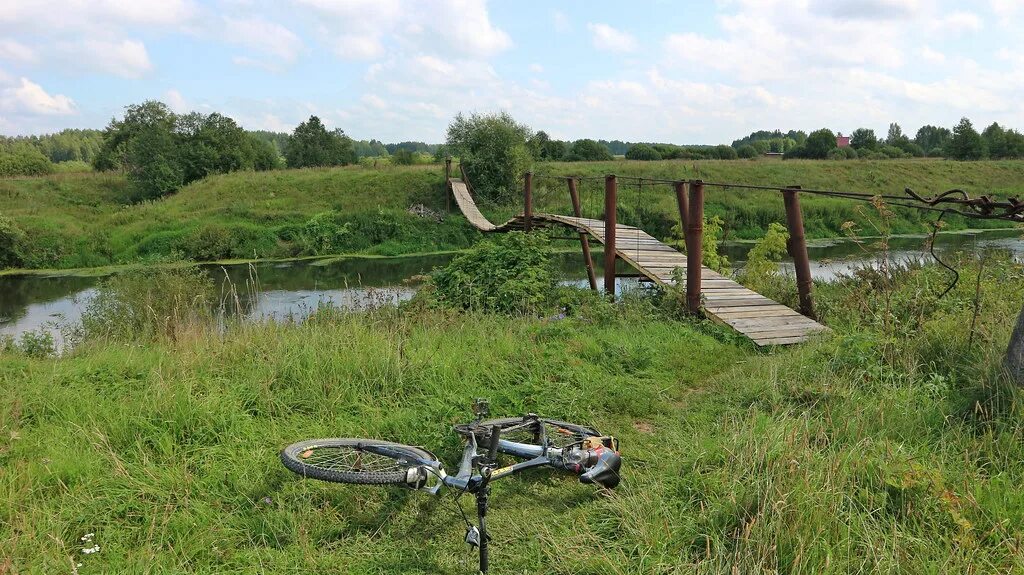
[[392, 462], [570, 432]]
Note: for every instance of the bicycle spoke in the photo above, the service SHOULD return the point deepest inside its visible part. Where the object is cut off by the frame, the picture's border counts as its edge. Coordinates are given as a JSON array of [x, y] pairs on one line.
[[349, 458]]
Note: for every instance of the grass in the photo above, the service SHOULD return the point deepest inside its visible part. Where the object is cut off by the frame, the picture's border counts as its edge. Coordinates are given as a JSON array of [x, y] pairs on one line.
[[81, 220], [892, 447]]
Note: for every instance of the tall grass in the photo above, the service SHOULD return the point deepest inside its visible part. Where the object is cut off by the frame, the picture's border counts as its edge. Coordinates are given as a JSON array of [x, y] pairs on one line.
[[893, 446]]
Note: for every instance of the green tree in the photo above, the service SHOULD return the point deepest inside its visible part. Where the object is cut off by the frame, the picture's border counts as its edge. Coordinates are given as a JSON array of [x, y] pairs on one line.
[[312, 145], [966, 143], [864, 139], [895, 137], [642, 152], [587, 150], [747, 151], [995, 141], [492, 149], [819, 143], [403, 157], [724, 152], [931, 137]]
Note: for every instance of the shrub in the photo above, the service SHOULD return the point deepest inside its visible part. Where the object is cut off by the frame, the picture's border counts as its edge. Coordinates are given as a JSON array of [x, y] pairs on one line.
[[325, 233], [149, 303], [642, 152], [761, 272], [587, 150], [851, 154], [836, 154], [222, 241], [747, 151], [510, 274], [24, 160], [492, 149], [12, 241]]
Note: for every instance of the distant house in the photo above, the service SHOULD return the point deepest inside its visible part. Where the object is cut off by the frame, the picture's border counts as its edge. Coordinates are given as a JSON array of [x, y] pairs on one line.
[[842, 141]]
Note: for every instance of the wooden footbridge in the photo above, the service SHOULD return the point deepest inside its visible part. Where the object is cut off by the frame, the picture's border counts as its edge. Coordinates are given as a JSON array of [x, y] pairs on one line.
[[763, 320]]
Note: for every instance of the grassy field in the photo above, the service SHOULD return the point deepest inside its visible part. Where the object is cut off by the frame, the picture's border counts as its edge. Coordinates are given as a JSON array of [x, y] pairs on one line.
[[893, 447], [81, 220]]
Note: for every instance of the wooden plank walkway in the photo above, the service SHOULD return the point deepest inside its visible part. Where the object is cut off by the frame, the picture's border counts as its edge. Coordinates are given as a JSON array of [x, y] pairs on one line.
[[763, 320]]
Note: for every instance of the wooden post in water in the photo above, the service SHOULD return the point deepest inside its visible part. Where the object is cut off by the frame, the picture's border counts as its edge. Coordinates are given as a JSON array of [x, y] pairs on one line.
[[694, 246], [584, 240], [528, 202], [797, 247], [610, 205]]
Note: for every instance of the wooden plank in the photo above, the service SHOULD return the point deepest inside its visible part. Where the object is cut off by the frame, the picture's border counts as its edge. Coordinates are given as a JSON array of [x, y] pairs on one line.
[[745, 324], [767, 311], [723, 304], [781, 340], [770, 332]]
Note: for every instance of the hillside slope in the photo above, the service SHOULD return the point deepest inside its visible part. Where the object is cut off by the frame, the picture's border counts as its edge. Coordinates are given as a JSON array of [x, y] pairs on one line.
[[82, 220]]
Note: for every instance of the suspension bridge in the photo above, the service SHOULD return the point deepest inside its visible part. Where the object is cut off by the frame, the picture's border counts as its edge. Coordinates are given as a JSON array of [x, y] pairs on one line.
[[763, 320]]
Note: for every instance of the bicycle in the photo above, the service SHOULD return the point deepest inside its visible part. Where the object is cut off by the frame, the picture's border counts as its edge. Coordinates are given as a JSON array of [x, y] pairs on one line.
[[533, 440]]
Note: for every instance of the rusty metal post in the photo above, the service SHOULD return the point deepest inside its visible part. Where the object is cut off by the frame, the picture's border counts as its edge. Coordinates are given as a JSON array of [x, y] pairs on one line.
[[528, 202], [797, 247], [584, 240], [683, 206], [694, 246], [610, 205], [448, 168]]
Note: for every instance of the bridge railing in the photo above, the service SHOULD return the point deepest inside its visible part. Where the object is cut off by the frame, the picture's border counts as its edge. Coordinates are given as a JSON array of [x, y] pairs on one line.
[[689, 196]]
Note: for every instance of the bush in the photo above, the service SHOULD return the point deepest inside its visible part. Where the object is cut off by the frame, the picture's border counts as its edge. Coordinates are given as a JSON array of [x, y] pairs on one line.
[[724, 152], [761, 272], [836, 154], [747, 151], [510, 274], [642, 152], [149, 303], [24, 160], [492, 149], [587, 150], [12, 242], [851, 154], [227, 241]]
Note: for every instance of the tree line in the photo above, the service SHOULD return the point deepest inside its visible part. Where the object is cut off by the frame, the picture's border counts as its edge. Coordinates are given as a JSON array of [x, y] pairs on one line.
[[962, 142]]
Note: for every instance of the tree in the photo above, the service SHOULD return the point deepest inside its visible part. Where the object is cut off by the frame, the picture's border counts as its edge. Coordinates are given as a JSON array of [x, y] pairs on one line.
[[642, 152], [966, 143], [819, 143], [931, 137], [587, 150], [995, 141], [311, 145], [403, 157], [864, 139], [747, 151], [23, 159], [492, 149], [895, 136]]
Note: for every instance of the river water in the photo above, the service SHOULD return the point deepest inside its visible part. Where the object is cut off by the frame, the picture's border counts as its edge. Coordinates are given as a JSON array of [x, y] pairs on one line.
[[291, 290]]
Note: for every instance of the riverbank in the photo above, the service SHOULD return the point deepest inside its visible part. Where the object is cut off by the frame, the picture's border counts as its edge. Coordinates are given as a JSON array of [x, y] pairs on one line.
[[891, 446], [74, 221]]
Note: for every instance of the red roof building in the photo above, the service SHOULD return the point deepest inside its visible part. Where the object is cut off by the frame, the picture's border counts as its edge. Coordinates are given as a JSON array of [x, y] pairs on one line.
[[842, 141]]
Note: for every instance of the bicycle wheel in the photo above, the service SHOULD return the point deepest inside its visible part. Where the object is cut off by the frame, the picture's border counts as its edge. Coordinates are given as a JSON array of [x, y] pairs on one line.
[[351, 460], [528, 430]]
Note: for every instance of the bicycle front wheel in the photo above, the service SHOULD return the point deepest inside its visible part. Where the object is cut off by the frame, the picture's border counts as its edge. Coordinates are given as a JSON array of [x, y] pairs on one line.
[[353, 460]]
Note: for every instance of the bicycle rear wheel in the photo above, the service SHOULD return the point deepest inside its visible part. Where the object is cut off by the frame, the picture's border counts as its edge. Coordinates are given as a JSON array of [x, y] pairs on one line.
[[353, 460], [529, 430]]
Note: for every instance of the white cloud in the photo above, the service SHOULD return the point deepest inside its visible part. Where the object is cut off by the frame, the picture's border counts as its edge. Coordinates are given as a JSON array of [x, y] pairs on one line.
[[15, 51], [29, 97], [933, 56], [958, 22], [175, 101], [560, 21], [607, 38], [127, 58], [364, 29], [536, 68], [263, 36]]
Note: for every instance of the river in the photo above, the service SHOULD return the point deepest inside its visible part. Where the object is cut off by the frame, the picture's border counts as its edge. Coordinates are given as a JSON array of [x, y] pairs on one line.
[[291, 290]]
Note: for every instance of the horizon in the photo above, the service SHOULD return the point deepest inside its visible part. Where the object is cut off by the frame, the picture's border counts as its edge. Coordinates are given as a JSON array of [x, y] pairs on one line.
[[394, 72]]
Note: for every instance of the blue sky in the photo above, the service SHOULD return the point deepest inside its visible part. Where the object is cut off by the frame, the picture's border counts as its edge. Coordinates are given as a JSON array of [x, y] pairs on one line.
[[683, 72]]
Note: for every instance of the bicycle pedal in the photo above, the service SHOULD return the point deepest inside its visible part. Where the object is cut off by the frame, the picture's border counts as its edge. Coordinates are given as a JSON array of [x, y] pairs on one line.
[[473, 536]]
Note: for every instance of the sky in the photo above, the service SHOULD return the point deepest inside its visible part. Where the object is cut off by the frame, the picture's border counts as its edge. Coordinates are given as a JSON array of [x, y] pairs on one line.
[[667, 71]]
